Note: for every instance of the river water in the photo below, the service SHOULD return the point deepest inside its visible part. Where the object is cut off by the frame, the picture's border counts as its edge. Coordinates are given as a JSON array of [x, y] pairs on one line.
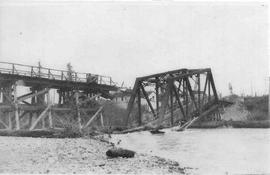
[[207, 151]]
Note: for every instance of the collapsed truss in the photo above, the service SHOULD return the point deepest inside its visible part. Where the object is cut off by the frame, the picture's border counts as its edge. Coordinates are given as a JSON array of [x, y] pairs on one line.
[[178, 95]]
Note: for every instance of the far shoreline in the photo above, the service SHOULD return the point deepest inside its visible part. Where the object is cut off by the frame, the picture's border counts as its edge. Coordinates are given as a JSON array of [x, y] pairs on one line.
[[232, 124], [54, 133]]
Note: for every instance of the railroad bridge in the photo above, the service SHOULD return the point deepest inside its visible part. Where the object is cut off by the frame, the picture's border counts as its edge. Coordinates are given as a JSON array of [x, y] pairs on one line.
[[54, 98], [49, 94], [177, 97]]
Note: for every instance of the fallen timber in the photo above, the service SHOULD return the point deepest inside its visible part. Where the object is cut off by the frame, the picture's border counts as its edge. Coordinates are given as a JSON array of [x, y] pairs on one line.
[[189, 123]]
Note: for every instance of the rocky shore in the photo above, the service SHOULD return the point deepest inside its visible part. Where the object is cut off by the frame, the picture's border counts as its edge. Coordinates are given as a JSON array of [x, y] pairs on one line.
[[80, 155]]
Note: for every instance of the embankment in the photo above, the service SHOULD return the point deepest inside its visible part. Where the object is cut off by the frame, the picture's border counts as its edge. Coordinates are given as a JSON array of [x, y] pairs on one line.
[[80, 155]]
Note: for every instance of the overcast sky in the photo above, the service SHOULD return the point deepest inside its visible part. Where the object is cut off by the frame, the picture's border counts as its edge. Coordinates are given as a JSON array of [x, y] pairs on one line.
[[128, 39]]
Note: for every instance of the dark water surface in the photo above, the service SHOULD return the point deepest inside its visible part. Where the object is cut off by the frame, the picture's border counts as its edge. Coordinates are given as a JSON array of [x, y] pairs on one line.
[[209, 151]]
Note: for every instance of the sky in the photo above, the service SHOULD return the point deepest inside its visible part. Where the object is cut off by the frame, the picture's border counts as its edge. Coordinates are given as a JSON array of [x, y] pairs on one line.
[[125, 40]]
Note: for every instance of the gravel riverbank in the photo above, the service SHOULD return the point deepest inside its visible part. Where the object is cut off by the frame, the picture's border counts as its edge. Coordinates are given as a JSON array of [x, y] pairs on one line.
[[81, 155]]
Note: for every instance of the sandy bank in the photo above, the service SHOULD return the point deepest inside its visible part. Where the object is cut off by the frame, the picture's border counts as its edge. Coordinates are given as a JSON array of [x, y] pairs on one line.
[[81, 155]]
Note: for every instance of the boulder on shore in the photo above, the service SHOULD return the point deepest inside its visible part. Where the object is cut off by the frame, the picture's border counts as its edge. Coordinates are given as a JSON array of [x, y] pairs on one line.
[[156, 131], [119, 152]]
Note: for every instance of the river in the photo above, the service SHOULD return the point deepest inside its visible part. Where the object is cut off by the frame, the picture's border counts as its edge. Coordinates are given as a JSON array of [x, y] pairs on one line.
[[207, 151]]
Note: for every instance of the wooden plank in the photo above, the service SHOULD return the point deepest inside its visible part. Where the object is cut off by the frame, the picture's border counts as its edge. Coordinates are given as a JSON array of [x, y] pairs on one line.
[[50, 118], [30, 119], [60, 109], [92, 118], [101, 119], [78, 110], [43, 123], [171, 100], [139, 107], [5, 107], [50, 111], [17, 119], [9, 121], [30, 95], [199, 94], [6, 96], [4, 124], [157, 97], [189, 123], [40, 117]]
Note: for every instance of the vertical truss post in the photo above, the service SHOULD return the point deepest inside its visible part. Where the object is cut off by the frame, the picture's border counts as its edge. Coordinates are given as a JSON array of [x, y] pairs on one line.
[[213, 86], [204, 89], [171, 99], [157, 97], [186, 97], [209, 87], [49, 111], [41, 101], [199, 93], [17, 119], [101, 119], [9, 121], [78, 110], [139, 105], [33, 101]]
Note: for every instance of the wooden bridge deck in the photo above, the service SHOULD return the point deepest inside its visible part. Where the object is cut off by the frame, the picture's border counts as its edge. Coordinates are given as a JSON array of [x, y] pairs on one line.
[[59, 79]]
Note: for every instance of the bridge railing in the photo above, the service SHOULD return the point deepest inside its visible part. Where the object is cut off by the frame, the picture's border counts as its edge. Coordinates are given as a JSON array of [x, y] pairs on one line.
[[53, 74]]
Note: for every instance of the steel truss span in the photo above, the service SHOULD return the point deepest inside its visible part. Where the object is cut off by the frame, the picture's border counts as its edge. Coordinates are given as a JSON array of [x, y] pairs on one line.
[[173, 98]]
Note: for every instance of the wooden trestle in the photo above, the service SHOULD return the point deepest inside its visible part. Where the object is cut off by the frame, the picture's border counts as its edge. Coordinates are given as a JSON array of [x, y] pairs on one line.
[[36, 109]]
